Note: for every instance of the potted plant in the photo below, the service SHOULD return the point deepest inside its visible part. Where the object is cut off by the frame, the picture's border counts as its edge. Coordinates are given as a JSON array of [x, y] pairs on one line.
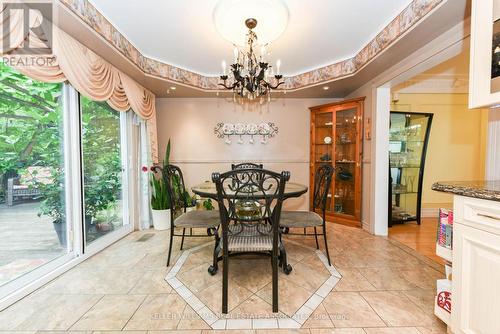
[[160, 204], [160, 201], [190, 201], [53, 204]]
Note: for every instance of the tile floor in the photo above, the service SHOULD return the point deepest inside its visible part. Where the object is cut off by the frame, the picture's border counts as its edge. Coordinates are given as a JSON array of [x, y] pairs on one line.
[[386, 287]]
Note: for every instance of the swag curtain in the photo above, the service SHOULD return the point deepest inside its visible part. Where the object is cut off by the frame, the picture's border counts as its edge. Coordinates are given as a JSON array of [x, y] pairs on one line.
[[87, 72]]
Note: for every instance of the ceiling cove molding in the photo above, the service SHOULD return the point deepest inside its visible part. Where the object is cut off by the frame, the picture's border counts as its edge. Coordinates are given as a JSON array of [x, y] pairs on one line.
[[405, 20]]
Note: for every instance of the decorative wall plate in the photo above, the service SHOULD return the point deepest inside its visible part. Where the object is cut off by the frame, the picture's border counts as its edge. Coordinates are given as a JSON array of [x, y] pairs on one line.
[[328, 140]]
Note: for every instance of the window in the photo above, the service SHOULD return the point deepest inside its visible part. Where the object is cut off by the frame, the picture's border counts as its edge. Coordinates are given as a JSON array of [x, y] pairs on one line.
[[33, 224], [102, 168]]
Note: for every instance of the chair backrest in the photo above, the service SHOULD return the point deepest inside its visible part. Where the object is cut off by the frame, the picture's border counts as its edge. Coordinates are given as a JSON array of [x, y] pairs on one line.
[[322, 181], [174, 181], [246, 165], [251, 196]]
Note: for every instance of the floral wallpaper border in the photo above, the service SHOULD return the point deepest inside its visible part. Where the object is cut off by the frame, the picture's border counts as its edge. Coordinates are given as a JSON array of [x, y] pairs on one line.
[[413, 13]]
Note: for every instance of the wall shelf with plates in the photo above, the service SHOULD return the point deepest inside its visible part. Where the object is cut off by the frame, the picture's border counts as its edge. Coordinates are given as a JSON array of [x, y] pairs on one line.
[[264, 131], [336, 138]]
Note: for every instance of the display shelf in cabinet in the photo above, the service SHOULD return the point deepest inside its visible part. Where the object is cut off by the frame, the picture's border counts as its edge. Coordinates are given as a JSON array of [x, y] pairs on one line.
[[346, 133], [444, 253]]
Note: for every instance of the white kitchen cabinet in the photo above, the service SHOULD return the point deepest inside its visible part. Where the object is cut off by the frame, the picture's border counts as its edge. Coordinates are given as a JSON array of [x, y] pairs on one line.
[[476, 266]]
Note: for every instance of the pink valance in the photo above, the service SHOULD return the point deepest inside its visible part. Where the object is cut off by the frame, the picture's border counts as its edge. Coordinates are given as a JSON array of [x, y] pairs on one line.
[[87, 72]]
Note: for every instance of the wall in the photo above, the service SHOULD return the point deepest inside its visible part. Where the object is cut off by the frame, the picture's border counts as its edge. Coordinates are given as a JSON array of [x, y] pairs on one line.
[[189, 123], [457, 144]]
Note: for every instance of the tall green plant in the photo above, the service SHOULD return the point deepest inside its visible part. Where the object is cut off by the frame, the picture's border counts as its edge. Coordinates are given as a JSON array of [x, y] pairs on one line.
[[159, 197]]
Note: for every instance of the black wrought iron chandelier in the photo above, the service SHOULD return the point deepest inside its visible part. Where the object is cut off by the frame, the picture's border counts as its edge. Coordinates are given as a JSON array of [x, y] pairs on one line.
[[249, 72]]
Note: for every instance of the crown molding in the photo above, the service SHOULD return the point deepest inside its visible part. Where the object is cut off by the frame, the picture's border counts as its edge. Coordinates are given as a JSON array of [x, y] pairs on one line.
[[396, 29]]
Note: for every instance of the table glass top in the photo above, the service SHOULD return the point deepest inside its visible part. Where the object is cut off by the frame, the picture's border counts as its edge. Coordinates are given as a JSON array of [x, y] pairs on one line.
[[208, 188]]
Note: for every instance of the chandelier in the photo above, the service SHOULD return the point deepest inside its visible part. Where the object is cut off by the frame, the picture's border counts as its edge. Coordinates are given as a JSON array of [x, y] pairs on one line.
[[251, 73]]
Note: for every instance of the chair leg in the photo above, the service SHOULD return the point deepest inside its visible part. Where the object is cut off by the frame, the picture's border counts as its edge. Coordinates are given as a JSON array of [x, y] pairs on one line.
[[215, 265], [182, 241], [170, 246], [316, 237], [326, 245], [275, 281], [225, 288]]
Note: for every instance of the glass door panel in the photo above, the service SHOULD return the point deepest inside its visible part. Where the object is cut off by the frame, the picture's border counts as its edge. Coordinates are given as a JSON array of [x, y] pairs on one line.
[[345, 161], [33, 224], [102, 169], [323, 144], [407, 145]]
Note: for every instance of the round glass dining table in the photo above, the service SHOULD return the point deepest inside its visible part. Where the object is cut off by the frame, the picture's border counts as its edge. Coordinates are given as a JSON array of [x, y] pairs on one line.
[[207, 189]]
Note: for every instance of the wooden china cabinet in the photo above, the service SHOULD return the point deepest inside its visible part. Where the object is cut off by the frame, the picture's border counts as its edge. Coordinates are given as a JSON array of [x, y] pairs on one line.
[[336, 138]]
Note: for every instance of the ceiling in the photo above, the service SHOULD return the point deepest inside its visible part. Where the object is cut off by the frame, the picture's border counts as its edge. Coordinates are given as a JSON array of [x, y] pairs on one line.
[[183, 34]]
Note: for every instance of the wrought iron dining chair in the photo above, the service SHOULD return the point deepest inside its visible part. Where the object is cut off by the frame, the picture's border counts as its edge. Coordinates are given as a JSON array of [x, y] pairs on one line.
[[206, 219], [247, 226], [306, 219], [246, 165]]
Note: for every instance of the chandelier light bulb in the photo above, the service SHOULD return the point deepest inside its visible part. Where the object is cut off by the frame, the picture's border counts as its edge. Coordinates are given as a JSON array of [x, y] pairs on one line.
[[224, 67], [236, 54], [278, 65]]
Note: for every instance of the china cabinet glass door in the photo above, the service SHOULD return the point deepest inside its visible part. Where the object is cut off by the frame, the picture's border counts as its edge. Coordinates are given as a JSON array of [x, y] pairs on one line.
[[346, 159], [323, 145], [409, 134]]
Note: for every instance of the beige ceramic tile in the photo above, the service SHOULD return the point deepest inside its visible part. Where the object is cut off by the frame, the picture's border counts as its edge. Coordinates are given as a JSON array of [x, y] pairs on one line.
[[111, 313], [338, 331], [253, 273], [423, 277], [158, 312], [352, 280], [198, 278], [212, 296], [349, 309], [178, 331], [85, 280], [438, 329], [396, 309], [234, 331], [253, 308], [153, 282], [308, 277], [290, 296], [283, 331], [393, 330], [423, 299], [191, 320], [319, 319], [46, 312], [387, 279]]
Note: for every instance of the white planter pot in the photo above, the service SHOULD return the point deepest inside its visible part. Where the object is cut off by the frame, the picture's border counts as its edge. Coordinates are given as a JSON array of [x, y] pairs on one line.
[[161, 219]]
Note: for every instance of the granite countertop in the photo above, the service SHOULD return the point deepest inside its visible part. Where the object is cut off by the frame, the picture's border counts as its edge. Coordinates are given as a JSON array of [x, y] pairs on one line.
[[489, 190]]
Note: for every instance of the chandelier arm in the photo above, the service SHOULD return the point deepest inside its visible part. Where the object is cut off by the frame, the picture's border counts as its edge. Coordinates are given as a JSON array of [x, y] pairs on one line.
[[274, 87], [228, 87]]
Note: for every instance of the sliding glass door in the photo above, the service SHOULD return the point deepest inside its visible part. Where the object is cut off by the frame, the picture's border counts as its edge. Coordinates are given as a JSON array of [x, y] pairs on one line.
[[63, 180], [33, 220], [103, 170]]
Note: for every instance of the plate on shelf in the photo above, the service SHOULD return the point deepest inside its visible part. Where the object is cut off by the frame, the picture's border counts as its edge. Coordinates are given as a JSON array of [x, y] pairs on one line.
[[328, 140], [228, 129]]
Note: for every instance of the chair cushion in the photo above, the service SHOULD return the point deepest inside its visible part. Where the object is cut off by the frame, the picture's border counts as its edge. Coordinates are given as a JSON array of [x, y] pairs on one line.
[[250, 238], [300, 219], [198, 218]]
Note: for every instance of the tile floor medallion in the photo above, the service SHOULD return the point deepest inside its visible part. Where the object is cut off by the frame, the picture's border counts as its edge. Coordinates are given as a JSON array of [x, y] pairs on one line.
[[300, 293]]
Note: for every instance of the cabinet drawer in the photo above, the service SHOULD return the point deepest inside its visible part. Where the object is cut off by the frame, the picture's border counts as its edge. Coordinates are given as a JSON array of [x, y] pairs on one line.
[[478, 213]]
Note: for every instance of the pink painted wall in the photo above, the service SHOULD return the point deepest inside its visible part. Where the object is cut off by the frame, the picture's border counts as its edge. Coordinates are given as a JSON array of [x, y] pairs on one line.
[[189, 123]]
